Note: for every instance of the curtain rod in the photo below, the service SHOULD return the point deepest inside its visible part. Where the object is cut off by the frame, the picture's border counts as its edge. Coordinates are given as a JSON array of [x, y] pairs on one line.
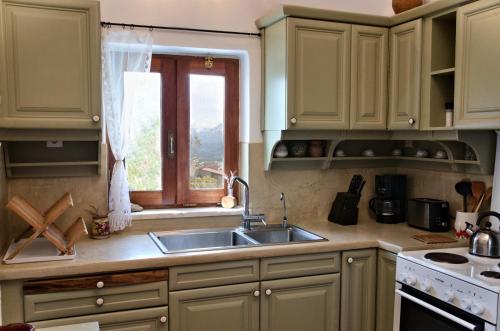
[[159, 27]]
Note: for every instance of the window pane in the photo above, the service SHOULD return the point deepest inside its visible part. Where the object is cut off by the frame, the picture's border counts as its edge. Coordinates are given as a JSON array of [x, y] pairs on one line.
[[143, 94], [206, 145]]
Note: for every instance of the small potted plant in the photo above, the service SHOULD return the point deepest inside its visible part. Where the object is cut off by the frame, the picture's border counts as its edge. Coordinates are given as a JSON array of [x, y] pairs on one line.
[[229, 201], [100, 224]]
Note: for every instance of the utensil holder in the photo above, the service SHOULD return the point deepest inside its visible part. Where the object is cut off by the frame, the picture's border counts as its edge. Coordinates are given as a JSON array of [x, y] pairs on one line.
[[461, 220]]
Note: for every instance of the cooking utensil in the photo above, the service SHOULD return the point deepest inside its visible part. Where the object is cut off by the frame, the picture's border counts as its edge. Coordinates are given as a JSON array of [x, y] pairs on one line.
[[484, 199], [484, 241], [464, 188], [478, 189]]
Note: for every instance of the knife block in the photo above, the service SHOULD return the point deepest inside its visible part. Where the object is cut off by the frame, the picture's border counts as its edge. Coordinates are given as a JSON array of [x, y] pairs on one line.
[[345, 209]]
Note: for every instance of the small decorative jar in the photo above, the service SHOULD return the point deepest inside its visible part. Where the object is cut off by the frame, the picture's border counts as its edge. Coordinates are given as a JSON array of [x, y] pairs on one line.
[[100, 228], [280, 150], [298, 149], [316, 148]]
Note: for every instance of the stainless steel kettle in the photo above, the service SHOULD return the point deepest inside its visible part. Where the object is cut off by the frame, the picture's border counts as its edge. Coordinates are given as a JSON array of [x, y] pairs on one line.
[[484, 241]]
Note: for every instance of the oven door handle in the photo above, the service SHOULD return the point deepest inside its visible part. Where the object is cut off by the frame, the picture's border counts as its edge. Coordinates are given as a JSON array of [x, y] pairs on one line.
[[438, 311]]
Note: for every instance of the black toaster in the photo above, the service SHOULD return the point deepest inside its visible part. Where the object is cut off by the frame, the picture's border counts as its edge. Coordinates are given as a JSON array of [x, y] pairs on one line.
[[429, 214]]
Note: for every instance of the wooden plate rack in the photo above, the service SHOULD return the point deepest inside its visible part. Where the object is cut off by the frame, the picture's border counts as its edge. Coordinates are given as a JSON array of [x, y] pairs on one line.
[[42, 224]]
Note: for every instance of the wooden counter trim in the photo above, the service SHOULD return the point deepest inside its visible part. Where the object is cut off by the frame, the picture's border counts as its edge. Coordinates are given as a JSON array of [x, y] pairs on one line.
[[90, 282]]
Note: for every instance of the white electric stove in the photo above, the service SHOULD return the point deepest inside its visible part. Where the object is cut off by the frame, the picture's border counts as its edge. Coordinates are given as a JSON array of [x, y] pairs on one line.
[[446, 290]]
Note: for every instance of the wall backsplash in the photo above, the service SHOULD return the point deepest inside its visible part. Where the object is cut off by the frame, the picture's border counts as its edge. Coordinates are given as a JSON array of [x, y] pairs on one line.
[[310, 193], [42, 192]]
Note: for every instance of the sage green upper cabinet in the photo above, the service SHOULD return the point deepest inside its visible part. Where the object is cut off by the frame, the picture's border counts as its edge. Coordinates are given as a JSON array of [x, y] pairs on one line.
[[307, 75], [477, 79], [386, 283], [298, 304], [51, 60], [369, 52], [223, 308], [358, 290], [404, 86]]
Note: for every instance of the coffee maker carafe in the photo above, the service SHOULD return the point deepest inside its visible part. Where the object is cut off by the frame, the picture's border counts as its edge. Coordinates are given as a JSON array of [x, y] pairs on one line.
[[390, 203]]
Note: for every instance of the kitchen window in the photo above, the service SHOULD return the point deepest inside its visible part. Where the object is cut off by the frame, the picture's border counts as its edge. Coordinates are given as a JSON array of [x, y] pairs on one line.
[[185, 130]]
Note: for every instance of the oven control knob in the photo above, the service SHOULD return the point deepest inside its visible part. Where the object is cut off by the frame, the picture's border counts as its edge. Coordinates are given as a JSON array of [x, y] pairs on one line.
[[449, 296], [477, 308], [410, 280], [426, 285], [467, 303]]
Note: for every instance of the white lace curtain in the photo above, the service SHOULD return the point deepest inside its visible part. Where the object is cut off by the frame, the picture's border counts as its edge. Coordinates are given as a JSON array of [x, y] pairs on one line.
[[123, 50]]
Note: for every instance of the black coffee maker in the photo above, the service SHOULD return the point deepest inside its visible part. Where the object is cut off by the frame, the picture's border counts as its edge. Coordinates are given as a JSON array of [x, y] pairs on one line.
[[391, 203]]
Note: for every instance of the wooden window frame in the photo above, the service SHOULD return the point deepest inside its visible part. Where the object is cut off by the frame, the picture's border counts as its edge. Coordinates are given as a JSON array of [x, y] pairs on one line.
[[175, 72]]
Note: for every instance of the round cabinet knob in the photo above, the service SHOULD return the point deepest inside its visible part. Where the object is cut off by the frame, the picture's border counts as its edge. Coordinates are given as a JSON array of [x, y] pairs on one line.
[[426, 285], [449, 296], [411, 280], [477, 308], [96, 118], [163, 319], [256, 293], [411, 121], [350, 260], [99, 301], [293, 120], [467, 303], [100, 284], [269, 292]]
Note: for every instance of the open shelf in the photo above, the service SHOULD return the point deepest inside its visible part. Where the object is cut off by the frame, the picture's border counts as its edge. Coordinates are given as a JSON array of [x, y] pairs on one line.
[[465, 151], [443, 72], [31, 159]]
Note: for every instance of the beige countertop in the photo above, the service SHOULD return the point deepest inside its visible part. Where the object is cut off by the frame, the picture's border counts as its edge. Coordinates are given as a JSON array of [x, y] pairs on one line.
[[133, 249]]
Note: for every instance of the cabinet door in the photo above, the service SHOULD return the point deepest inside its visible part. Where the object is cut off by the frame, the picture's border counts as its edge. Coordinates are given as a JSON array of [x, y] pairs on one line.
[[298, 304], [386, 282], [477, 97], [369, 52], [52, 56], [358, 290], [404, 90], [152, 319], [228, 308], [318, 74]]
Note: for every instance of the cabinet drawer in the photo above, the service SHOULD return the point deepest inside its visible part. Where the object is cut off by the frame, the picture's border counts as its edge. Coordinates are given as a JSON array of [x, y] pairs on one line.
[[213, 274], [301, 265], [150, 319], [93, 301]]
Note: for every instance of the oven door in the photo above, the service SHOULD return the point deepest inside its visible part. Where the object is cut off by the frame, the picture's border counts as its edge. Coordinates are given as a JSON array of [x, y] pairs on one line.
[[417, 311]]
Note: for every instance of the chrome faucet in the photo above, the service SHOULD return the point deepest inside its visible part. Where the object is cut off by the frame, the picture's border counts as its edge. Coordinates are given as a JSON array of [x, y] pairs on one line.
[[285, 218], [248, 219]]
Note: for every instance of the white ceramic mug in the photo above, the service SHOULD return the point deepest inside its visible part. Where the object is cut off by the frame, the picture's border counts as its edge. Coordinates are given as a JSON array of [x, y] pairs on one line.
[[461, 223]]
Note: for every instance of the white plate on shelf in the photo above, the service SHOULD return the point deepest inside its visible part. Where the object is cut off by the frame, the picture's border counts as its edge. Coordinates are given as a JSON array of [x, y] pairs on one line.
[[40, 250]]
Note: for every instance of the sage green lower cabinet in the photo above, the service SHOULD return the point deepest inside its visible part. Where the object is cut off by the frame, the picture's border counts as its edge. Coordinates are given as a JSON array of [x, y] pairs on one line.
[[358, 293], [152, 319], [222, 308], [298, 304], [386, 282]]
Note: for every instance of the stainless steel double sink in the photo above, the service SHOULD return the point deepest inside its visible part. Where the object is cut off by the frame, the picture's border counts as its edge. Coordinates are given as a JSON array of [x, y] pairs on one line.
[[212, 239]]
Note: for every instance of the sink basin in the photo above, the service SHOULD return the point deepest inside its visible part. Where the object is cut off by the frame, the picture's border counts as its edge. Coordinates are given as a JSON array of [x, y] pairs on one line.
[[185, 241], [212, 239], [293, 234]]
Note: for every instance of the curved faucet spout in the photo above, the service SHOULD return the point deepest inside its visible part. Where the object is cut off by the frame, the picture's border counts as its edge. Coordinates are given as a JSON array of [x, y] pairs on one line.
[[247, 193]]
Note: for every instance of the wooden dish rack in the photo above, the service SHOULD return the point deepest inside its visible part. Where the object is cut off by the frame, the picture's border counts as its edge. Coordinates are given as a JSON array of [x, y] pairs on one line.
[[42, 224]]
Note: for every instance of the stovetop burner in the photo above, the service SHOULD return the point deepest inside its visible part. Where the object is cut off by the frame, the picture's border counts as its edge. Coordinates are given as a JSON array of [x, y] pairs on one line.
[[491, 274], [446, 258]]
